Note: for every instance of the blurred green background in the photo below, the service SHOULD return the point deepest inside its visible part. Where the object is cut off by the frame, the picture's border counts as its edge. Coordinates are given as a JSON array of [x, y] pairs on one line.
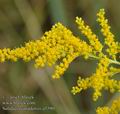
[[24, 20]]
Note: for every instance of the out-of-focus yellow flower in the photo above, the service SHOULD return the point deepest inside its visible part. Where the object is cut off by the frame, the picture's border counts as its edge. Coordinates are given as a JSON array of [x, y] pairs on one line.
[[114, 109]]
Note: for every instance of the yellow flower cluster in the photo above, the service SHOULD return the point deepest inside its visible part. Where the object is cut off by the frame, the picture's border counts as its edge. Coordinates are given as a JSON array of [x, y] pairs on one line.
[[114, 109], [82, 84], [109, 37], [101, 79], [93, 39], [60, 69], [58, 44], [59, 47]]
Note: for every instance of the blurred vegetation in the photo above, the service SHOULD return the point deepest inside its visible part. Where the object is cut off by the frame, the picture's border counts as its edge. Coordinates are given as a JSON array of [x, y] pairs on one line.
[[24, 20]]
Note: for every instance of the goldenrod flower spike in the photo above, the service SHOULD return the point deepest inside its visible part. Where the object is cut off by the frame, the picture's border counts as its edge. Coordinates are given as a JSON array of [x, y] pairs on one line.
[[109, 37], [100, 80], [60, 69], [93, 39], [57, 44], [82, 84], [114, 109], [97, 81]]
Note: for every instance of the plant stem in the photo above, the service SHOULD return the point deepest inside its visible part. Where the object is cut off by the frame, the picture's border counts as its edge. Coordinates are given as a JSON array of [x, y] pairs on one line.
[[111, 61]]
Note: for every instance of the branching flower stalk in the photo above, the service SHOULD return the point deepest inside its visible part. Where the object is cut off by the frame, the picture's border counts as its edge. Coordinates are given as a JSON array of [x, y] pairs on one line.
[[59, 44]]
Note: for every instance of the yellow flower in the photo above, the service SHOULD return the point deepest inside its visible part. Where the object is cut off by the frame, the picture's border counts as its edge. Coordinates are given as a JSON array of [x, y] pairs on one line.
[[57, 44], [59, 47], [96, 81], [101, 79], [85, 30], [60, 69], [114, 109], [82, 84], [109, 37]]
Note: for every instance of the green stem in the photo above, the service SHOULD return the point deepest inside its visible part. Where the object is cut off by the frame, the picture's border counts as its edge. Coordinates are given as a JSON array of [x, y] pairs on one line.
[[115, 62], [111, 61]]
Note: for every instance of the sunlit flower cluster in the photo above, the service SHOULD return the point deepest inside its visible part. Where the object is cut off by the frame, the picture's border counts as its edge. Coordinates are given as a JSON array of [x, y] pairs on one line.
[[114, 109]]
